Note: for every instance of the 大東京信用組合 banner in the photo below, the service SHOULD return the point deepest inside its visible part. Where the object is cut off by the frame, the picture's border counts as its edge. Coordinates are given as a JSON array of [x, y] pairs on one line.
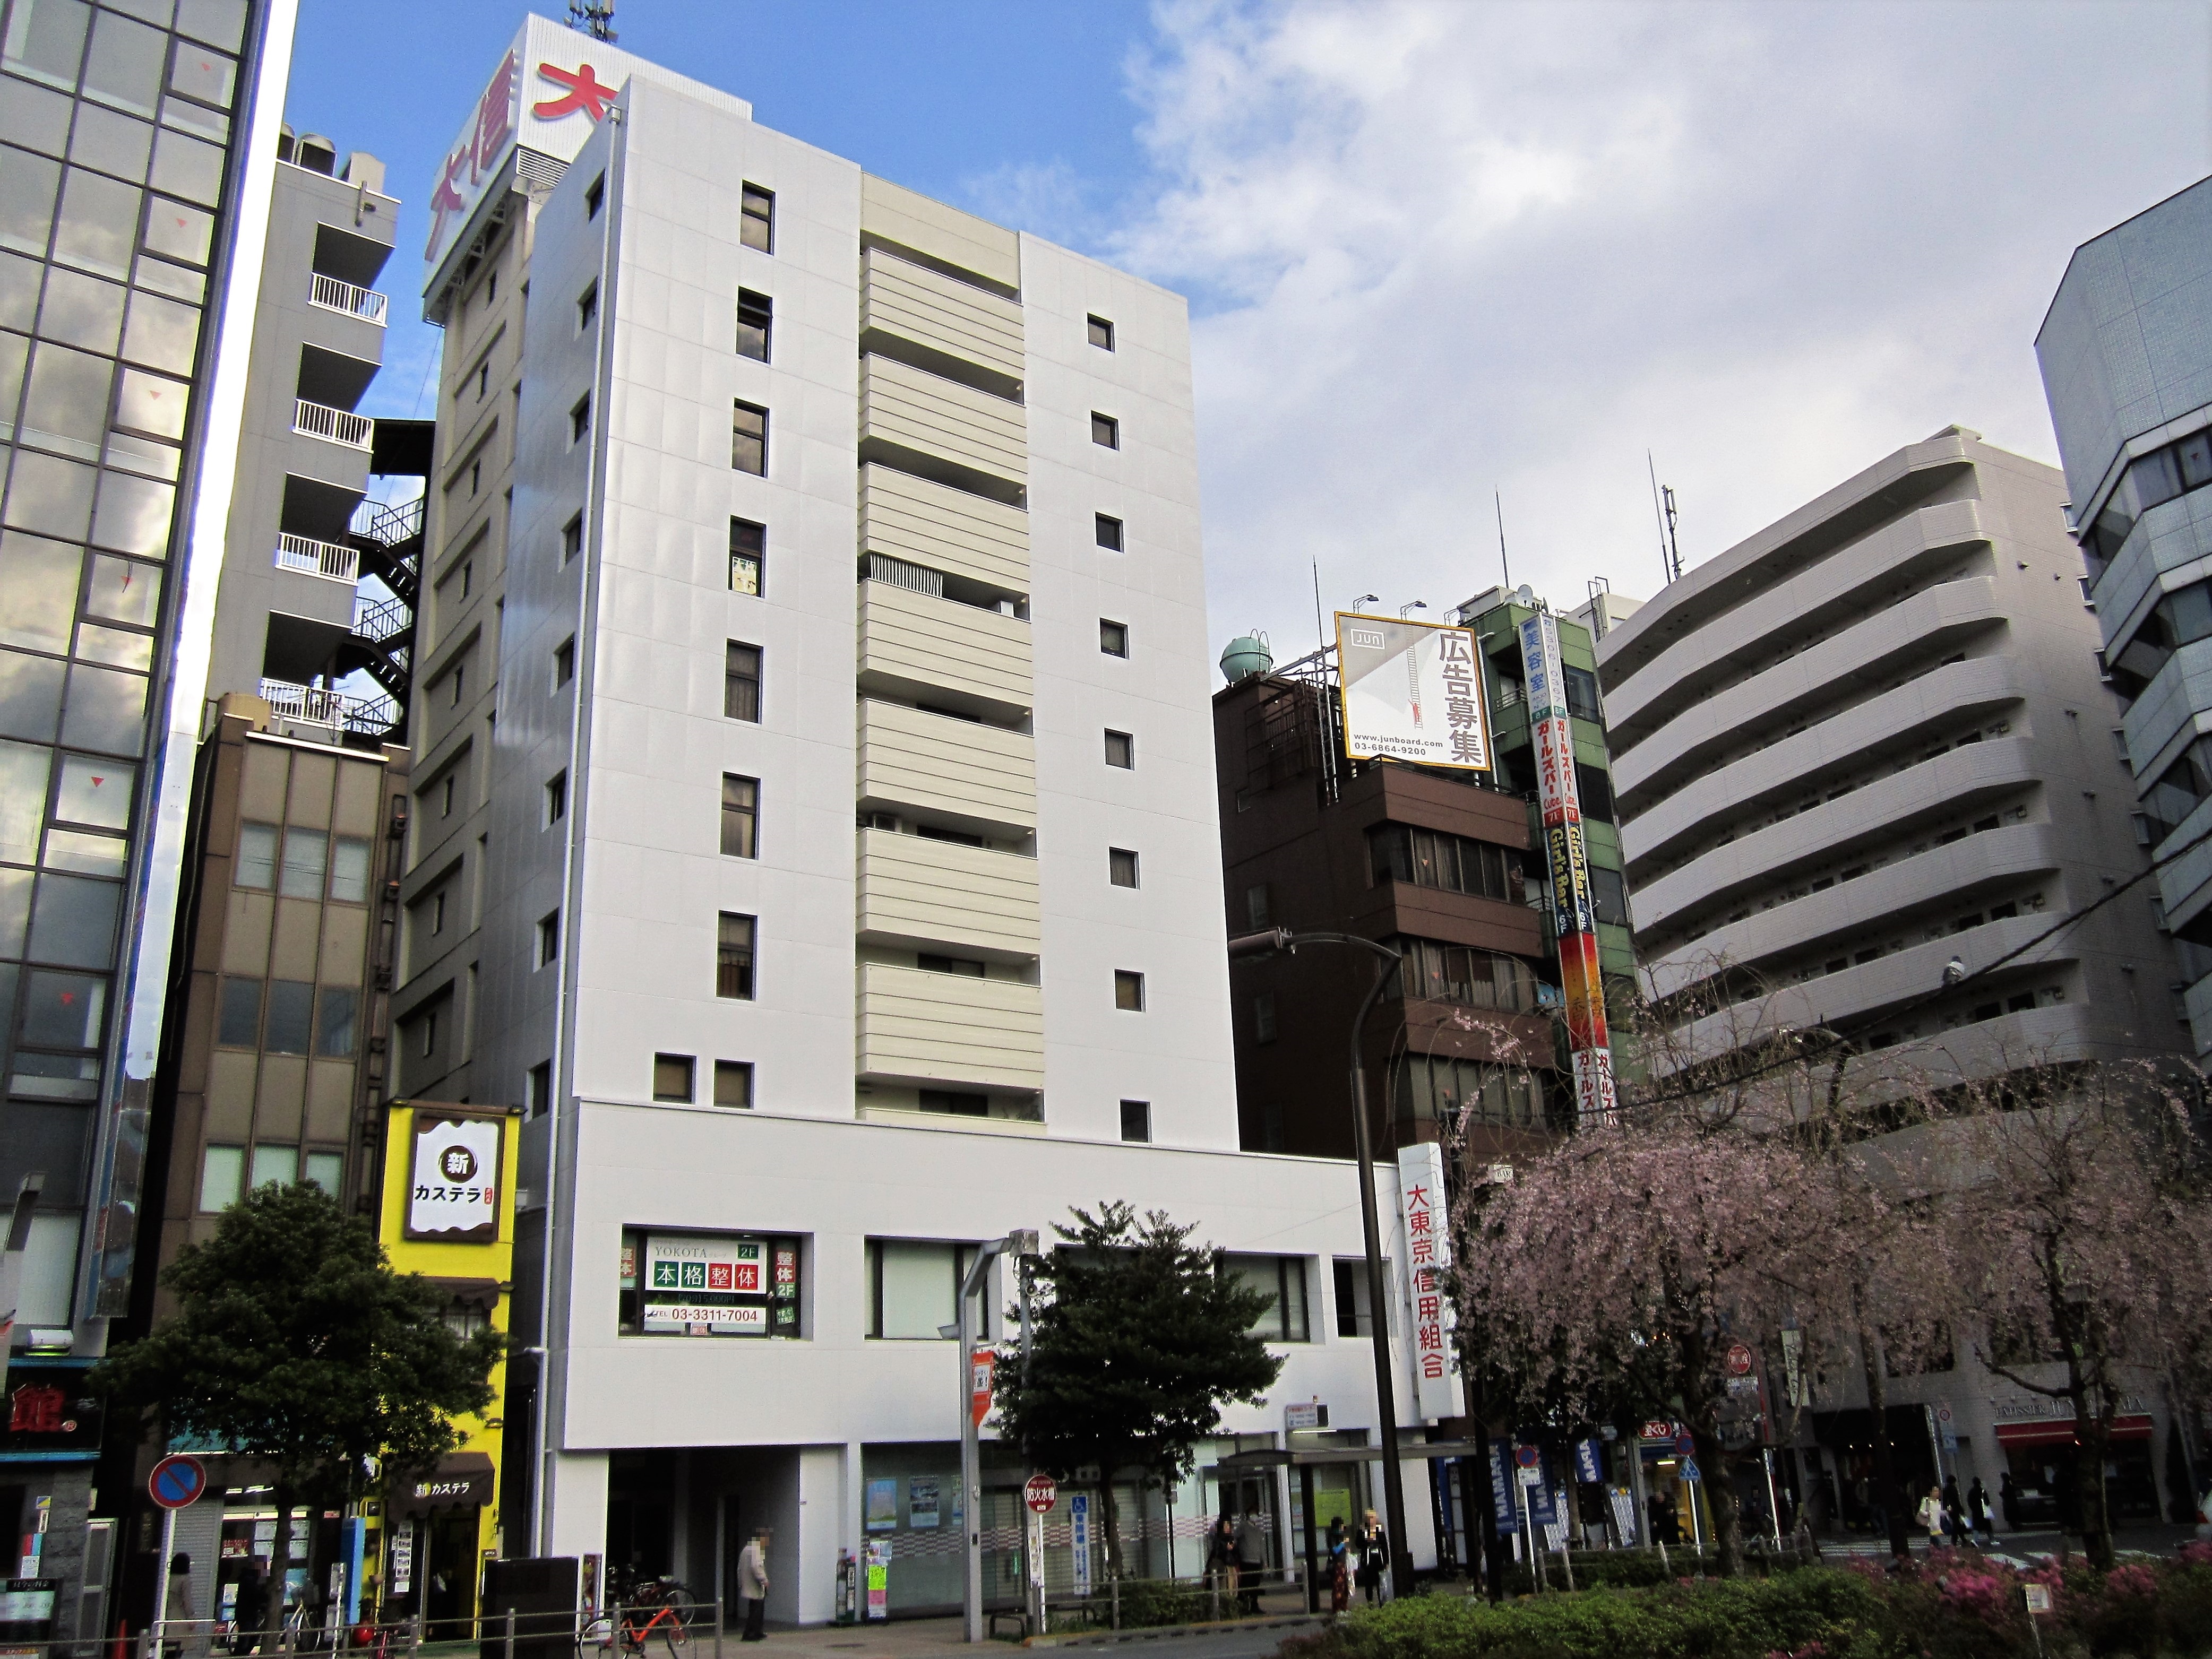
[[1411, 691]]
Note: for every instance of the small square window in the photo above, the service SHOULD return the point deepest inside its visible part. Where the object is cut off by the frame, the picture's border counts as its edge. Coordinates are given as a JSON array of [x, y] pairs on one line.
[[239, 1022], [1102, 332], [456, 683], [749, 439], [437, 913], [580, 420], [1136, 1120], [756, 218], [733, 1084], [756, 321], [445, 796], [1263, 1017], [1121, 867], [549, 939], [740, 817], [276, 1165], [748, 557], [741, 682], [671, 1077], [572, 538], [257, 855], [587, 309], [1128, 991], [1121, 750], [734, 956], [1113, 638], [1258, 913], [557, 798], [537, 1095], [595, 196], [222, 1178], [326, 1170], [564, 662], [1105, 431], [1109, 532]]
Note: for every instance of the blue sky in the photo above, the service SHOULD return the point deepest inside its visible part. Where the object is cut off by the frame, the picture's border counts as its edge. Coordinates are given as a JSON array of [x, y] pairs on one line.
[[1439, 248]]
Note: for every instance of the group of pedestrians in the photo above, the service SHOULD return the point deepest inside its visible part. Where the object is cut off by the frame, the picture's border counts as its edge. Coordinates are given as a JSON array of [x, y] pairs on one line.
[[1359, 1557], [1949, 1520]]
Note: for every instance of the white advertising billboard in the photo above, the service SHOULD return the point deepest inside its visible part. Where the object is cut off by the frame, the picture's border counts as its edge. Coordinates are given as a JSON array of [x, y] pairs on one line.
[[453, 1185], [1411, 691]]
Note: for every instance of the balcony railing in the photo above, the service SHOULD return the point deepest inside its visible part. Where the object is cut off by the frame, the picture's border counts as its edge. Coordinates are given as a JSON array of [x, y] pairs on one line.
[[334, 425], [316, 705], [382, 619], [314, 558], [334, 296]]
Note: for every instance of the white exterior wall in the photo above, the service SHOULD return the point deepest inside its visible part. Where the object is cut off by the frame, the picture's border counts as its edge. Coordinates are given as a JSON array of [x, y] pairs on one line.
[[637, 877]]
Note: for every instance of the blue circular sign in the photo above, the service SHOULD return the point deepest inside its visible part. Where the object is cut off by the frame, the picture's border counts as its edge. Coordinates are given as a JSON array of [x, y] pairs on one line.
[[177, 1481], [1526, 1456]]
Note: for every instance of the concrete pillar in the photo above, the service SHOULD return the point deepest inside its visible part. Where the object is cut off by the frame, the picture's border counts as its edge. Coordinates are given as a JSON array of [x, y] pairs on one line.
[[820, 1531], [579, 1481]]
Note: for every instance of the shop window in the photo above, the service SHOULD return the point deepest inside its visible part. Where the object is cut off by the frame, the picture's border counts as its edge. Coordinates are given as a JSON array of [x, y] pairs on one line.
[[1282, 1280], [709, 1283], [914, 1289]]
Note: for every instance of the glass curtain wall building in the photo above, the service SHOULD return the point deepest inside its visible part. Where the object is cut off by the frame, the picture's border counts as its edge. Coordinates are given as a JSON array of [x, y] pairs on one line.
[[124, 152]]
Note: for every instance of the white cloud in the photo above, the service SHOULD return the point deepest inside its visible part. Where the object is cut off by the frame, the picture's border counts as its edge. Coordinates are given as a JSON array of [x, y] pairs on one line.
[[1439, 249]]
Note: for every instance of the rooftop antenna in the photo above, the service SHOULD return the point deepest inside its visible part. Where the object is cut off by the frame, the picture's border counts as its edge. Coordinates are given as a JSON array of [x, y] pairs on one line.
[[594, 17], [1320, 630], [1662, 508], [1499, 499]]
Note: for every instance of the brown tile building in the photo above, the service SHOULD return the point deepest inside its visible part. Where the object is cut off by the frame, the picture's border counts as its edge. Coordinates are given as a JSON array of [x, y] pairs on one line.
[[1429, 862]]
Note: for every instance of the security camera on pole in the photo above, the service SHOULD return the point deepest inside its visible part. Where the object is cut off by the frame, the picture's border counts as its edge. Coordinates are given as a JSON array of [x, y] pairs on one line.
[[978, 1364]]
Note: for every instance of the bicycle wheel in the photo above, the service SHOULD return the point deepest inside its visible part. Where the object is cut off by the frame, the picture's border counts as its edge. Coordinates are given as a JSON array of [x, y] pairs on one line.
[[678, 1611]]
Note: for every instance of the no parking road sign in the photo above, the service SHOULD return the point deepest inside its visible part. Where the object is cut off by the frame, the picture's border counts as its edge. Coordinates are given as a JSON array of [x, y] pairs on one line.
[[177, 1482]]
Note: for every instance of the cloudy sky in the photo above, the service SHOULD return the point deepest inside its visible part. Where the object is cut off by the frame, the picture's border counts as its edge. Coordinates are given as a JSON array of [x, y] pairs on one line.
[[1436, 250]]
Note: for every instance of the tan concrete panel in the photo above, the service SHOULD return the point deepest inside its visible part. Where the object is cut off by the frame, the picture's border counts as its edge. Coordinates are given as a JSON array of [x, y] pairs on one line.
[[938, 892], [292, 947], [329, 1100], [895, 214], [947, 1028], [941, 312], [245, 935], [912, 757], [916, 409], [946, 529], [345, 945], [313, 778], [261, 791], [931, 641], [230, 1111], [361, 788], [280, 1102]]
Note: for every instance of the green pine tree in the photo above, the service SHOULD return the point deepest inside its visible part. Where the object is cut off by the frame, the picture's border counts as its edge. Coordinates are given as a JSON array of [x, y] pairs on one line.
[[294, 1341], [1142, 1342]]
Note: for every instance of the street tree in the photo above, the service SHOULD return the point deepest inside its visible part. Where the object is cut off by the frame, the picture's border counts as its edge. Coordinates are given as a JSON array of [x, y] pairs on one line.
[[2086, 1213], [1142, 1337], [294, 1341], [1614, 1272]]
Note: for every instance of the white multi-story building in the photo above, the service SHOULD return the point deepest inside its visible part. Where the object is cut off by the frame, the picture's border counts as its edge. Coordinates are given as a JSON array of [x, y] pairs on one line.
[[827, 927]]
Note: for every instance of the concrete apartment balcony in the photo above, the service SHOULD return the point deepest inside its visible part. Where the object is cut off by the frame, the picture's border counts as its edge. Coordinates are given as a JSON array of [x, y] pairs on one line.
[[950, 1030], [911, 410], [1960, 782], [334, 426], [981, 777], [941, 313], [954, 531], [1890, 643], [1941, 702], [1960, 877], [1866, 992], [310, 557], [336, 711], [916, 890], [918, 642], [348, 298]]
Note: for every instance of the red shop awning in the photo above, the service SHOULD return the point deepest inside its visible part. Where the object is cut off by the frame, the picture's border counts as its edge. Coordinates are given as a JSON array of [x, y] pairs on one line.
[[2059, 1431]]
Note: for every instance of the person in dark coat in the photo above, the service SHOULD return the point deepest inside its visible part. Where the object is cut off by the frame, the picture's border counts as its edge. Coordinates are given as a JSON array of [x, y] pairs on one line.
[[252, 1609], [1977, 1511], [1374, 1545], [1954, 1512]]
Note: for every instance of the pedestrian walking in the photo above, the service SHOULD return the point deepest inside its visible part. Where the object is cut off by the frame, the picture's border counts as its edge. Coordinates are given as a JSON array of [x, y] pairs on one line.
[[752, 1583], [2008, 1496], [1374, 1558], [252, 1609], [1251, 1561], [1930, 1514], [1340, 1569], [1954, 1512], [1221, 1554], [1977, 1511]]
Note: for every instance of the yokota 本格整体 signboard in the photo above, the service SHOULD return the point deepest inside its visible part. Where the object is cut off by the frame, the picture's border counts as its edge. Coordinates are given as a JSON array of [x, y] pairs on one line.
[[717, 1285], [1411, 691]]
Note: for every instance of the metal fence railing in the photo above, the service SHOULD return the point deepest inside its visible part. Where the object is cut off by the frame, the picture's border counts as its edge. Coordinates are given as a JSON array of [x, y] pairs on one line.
[[317, 558], [675, 1628], [352, 299], [338, 425]]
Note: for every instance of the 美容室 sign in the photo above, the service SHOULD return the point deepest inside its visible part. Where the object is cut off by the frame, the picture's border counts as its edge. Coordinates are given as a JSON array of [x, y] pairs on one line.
[[452, 1179]]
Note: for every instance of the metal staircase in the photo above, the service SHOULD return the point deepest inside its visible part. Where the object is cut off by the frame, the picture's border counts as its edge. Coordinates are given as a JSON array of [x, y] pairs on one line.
[[390, 542]]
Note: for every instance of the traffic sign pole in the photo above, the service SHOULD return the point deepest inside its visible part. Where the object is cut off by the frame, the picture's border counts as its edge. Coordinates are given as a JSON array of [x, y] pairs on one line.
[[174, 1482]]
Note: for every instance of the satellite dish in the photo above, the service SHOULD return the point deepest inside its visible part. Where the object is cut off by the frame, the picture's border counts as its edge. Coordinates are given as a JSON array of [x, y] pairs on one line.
[[1524, 595]]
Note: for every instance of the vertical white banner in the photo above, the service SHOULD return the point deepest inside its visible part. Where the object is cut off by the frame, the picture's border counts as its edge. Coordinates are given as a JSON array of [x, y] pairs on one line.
[[1428, 1253]]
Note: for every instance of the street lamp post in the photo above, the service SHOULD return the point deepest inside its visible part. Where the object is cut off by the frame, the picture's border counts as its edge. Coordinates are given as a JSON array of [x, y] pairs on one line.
[[1020, 1242], [1386, 1393]]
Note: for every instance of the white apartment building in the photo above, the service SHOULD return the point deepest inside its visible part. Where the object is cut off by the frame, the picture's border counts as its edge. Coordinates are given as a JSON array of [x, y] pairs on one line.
[[1872, 739], [814, 821]]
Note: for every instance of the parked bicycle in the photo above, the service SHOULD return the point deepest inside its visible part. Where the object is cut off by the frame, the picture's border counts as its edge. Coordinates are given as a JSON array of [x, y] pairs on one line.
[[644, 1612]]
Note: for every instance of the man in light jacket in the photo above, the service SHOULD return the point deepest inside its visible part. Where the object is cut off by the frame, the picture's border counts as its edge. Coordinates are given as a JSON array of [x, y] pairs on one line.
[[752, 1581]]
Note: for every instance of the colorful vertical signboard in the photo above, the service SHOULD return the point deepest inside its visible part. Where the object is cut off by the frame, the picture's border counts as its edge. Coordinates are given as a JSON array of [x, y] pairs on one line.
[[1428, 1253], [1411, 691], [1589, 1043]]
